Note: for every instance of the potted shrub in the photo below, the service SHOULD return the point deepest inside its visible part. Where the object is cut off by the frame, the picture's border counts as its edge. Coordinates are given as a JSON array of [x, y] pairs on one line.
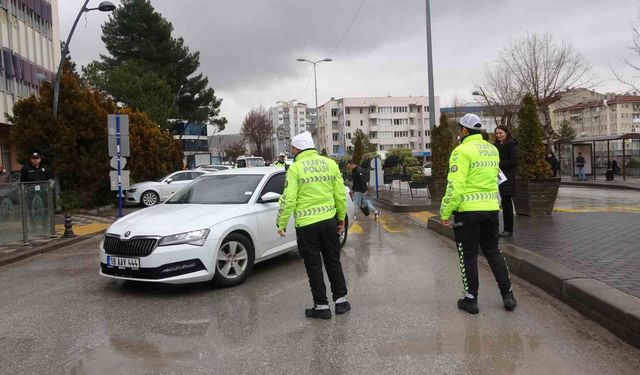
[[536, 191], [442, 145]]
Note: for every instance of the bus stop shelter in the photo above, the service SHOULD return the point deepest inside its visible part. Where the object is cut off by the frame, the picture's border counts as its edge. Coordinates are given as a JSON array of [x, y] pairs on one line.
[[599, 152]]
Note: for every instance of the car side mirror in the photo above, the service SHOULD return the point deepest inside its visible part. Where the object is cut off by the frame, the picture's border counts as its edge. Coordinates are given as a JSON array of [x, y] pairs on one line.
[[269, 197], [169, 180]]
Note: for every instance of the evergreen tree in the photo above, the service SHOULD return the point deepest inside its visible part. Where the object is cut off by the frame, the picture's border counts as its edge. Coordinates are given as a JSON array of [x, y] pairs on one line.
[[361, 145], [566, 131], [531, 162], [441, 147], [136, 34]]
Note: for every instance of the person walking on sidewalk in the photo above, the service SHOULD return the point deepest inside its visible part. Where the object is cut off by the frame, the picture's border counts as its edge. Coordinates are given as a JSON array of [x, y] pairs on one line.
[[580, 166], [508, 150], [360, 187], [472, 197], [315, 194], [5, 177], [551, 158]]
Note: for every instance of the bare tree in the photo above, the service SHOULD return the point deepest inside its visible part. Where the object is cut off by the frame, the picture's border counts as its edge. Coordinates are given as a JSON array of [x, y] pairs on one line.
[[257, 129], [635, 65], [234, 150], [502, 93], [544, 69]]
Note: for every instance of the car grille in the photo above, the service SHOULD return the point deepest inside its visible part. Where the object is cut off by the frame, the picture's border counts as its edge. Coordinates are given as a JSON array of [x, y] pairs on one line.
[[136, 246]]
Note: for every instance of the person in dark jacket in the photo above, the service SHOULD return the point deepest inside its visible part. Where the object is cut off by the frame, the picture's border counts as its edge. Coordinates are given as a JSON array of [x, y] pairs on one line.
[[553, 162], [35, 171], [508, 148], [360, 187]]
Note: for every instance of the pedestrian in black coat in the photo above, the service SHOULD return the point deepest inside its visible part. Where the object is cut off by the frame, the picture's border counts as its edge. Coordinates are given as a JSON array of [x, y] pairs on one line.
[[508, 148], [553, 162]]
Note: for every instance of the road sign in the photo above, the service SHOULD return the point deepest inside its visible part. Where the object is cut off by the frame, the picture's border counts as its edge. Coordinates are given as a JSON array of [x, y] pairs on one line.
[[124, 146], [124, 124], [113, 176], [114, 162]]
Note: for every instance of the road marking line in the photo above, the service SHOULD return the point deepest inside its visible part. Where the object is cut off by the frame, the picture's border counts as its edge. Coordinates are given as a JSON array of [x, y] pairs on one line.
[[356, 229]]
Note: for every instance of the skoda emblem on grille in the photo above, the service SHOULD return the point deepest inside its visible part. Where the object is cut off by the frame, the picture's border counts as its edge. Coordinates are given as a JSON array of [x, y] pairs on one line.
[[127, 233]]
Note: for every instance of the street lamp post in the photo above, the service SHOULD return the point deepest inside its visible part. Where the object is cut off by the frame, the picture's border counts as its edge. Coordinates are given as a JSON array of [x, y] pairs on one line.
[[315, 81], [105, 6], [486, 99], [432, 101]]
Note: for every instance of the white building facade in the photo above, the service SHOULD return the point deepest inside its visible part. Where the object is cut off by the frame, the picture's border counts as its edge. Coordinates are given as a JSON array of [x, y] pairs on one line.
[[613, 115], [29, 37], [390, 122], [290, 119]]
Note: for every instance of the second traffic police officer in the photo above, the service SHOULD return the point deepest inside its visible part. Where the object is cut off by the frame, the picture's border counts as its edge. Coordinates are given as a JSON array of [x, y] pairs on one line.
[[315, 194], [281, 161], [472, 196]]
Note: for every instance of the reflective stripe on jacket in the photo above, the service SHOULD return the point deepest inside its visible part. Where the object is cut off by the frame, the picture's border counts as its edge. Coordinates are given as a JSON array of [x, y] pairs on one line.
[[472, 179], [314, 191]]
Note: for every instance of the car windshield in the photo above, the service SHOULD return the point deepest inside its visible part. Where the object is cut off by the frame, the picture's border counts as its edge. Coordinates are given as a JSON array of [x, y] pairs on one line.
[[255, 162], [164, 177], [218, 189]]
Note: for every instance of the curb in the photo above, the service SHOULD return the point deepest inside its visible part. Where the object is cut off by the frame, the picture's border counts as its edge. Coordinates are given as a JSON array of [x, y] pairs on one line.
[[402, 207], [46, 248], [614, 309], [599, 186]]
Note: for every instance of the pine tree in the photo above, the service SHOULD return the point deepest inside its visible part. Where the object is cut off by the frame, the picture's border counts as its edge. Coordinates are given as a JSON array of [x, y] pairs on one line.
[[441, 147], [138, 35], [361, 145], [566, 131], [531, 162]]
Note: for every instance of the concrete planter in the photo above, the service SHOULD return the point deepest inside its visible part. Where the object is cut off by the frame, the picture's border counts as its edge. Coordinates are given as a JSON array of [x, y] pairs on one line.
[[536, 197], [437, 188]]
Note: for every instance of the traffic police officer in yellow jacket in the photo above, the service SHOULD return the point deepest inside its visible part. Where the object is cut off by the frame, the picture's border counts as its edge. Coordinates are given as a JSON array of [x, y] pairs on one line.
[[315, 194], [472, 197]]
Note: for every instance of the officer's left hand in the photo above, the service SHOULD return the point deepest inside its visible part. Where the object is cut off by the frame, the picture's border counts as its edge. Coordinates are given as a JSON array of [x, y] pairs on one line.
[[282, 233], [447, 223]]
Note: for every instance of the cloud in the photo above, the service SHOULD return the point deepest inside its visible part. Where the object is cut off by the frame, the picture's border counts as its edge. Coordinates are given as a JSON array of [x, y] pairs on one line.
[[248, 48]]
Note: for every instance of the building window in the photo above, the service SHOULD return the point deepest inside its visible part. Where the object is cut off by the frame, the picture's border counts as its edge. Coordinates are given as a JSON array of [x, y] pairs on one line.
[[335, 136], [347, 110], [428, 145], [385, 135], [384, 109], [384, 122], [373, 135], [411, 132], [360, 110], [348, 135], [334, 112], [400, 109], [348, 122], [336, 149], [361, 123], [401, 134], [400, 121]]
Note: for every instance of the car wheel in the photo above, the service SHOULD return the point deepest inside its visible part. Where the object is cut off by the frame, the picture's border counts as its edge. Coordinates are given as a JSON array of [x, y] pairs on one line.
[[234, 262], [343, 235], [149, 198]]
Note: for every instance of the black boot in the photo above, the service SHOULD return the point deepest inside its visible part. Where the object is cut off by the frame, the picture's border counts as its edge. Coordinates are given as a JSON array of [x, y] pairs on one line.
[[509, 301], [317, 314], [469, 305], [343, 307]]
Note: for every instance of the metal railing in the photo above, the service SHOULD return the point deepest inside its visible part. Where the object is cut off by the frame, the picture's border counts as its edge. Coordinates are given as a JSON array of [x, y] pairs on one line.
[[26, 211]]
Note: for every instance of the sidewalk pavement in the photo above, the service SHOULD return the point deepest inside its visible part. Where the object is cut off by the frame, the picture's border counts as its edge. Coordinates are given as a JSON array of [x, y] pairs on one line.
[[618, 183], [85, 226]]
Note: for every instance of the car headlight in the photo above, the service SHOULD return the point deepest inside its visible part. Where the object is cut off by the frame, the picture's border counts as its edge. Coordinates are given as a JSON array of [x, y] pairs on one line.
[[196, 237], [132, 190]]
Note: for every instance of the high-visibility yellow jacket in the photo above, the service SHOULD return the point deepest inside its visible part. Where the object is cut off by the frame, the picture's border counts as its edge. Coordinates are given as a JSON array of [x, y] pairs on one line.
[[280, 164], [473, 178], [314, 191]]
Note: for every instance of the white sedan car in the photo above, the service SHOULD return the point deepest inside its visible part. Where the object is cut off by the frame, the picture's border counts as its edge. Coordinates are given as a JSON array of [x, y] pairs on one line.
[[150, 193], [216, 228]]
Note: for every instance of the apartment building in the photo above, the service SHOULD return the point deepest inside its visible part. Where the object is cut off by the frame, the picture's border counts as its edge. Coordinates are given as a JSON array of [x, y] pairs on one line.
[[615, 114], [29, 37], [390, 122], [290, 119], [570, 98]]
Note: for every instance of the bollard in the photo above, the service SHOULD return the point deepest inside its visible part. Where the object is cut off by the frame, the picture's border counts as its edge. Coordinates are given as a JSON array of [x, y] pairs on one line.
[[68, 226]]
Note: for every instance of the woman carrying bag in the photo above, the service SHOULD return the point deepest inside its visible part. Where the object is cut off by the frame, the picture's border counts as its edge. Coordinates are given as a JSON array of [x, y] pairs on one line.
[[508, 148]]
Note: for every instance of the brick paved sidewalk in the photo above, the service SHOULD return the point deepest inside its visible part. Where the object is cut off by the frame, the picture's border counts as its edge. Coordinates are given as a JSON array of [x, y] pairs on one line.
[[605, 246]]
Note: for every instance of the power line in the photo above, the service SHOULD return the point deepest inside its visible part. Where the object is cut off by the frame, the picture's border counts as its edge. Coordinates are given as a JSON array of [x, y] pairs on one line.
[[306, 86], [353, 20]]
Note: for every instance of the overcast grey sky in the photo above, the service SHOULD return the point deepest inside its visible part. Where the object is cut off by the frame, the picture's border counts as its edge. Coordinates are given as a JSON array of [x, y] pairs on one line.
[[249, 47]]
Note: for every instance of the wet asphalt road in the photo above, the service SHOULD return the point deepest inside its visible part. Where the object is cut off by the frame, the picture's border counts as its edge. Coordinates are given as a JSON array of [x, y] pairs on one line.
[[57, 316]]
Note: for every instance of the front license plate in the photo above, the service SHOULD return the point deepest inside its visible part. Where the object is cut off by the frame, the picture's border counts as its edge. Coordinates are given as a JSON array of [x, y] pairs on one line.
[[121, 262]]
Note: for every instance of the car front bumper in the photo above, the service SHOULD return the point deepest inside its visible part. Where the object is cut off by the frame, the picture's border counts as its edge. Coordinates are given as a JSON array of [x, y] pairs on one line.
[[178, 264]]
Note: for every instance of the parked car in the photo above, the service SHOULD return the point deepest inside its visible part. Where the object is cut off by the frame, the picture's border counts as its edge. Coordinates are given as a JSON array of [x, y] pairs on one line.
[[213, 168], [249, 162], [427, 169], [216, 228], [150, 193]]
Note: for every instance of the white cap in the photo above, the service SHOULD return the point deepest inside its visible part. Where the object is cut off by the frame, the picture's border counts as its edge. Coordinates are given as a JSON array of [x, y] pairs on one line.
[[303, 141], [471, 121]]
